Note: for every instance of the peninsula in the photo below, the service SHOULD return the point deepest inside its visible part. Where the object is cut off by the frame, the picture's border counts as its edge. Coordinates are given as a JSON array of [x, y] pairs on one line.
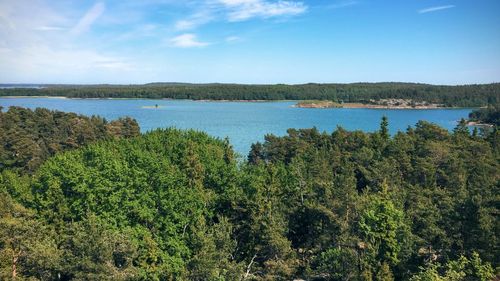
[[375, 104]]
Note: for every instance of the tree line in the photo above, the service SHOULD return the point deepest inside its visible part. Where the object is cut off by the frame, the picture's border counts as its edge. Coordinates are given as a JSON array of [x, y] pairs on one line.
[[450, 96], [179, 205]]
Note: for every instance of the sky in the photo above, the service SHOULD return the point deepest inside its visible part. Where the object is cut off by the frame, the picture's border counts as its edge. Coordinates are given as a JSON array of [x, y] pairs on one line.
[[249, 41]]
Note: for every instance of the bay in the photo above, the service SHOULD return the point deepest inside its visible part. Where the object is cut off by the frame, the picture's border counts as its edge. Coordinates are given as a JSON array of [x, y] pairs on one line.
[[243, 123]]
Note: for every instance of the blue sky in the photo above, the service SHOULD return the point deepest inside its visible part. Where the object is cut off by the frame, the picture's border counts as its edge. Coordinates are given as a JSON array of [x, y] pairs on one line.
[[249, 41]]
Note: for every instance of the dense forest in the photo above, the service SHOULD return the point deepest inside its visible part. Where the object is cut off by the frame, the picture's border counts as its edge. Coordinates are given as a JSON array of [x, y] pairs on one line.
[[179, 205], [29, 137], [450, 96]]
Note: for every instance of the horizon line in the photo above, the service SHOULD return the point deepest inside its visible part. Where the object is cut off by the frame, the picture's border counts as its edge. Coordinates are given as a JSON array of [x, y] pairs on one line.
[[236, 83]]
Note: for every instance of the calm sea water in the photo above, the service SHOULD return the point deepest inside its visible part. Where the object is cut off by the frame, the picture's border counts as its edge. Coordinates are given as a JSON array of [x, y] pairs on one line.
[[243, 122]]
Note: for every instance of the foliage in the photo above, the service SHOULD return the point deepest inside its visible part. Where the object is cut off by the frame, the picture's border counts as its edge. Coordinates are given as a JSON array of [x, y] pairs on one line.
[[463, 268], [177, 205], [489, 115], [465, 95], [396, 202], [383, 227], [29, 137], [163, 186], [337, 264], [27, 247]]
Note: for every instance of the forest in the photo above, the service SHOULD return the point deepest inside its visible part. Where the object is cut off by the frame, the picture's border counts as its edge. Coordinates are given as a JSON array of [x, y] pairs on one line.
[[448, 96], [83, 198], [29, 137]]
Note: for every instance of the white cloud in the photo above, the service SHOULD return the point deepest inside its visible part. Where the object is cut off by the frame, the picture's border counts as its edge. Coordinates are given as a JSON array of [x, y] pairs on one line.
[[232, 39], [185, 24], [240, 10], [89, 18], [39, 48], [343, 4], [16, 16], [187, 40], [111, 63], [436, 8], [139, 32], [195, 20], [44, 63], [49, 28]]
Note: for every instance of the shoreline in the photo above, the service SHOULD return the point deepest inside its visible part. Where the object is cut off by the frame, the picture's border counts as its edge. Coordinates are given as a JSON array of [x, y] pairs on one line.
[[205, 100], [297, 105], [478, 124], [354, 105], [22, 97], [202, 100], [378, 106]]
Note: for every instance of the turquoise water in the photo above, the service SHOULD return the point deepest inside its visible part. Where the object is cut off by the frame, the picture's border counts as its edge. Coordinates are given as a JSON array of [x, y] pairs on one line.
[[243, 122]]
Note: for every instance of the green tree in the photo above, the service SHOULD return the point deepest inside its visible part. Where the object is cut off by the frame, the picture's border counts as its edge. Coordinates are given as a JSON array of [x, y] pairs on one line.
[[473, 269], [384, 273], [384, 128], [383, 227], [163, 188], [94, 251], [338, 264], [27, 247]]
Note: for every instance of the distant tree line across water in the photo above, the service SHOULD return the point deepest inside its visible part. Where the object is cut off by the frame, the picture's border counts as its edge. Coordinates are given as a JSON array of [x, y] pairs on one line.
[[449, 96]]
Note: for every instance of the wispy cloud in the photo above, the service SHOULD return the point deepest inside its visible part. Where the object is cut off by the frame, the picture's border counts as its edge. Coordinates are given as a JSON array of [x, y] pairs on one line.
[[89, 18], [112, 63], [195, 20], [233, 39], [138, 32], [435, 9], [49, 28], [187, 40], [343, 4], [240, 10], [39, 48]]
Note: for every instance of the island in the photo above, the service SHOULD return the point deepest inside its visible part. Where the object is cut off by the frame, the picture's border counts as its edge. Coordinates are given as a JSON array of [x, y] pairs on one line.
[[317, 104], [372, 103], [156, 106]]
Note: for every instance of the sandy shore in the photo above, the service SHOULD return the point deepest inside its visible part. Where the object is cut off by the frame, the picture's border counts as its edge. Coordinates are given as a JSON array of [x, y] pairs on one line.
[[477, 124], [317, 104]]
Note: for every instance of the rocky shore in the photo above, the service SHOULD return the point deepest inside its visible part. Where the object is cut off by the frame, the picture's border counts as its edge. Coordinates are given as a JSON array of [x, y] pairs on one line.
[[375, 104]]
